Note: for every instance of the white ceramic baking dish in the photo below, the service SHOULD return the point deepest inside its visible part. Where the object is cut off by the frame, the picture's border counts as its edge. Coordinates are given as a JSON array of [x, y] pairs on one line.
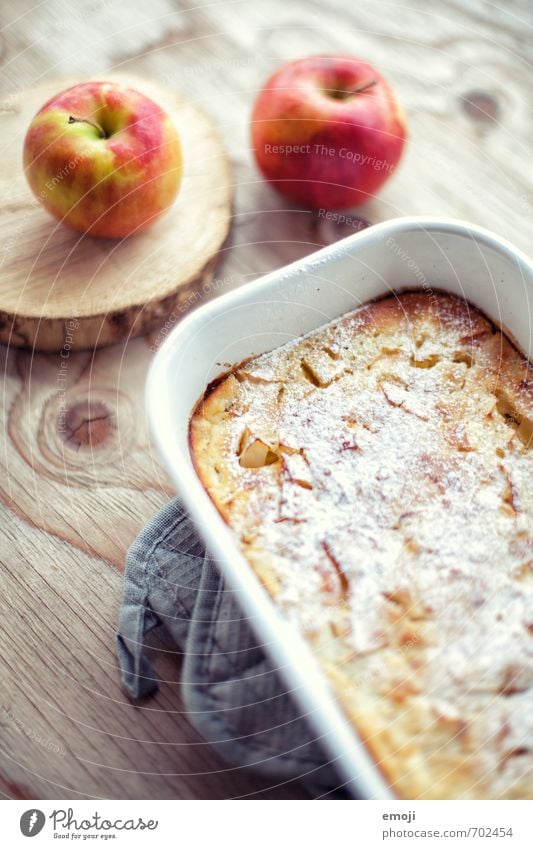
[[403, 253]]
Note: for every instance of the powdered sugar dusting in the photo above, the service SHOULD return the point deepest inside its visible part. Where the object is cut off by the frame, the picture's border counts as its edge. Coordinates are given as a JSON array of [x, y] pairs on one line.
[[396, 503]]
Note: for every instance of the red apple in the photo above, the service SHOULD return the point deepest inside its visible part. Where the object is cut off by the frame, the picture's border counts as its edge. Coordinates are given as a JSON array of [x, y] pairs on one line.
[[327, 131], [103, 159]]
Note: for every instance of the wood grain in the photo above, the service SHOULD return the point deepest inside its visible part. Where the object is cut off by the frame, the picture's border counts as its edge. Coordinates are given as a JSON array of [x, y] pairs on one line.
[[78, 476], [58, 287]]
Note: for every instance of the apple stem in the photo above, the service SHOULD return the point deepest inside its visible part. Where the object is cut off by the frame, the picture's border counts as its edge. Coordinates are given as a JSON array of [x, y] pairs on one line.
[[72, 120], [363, 87]]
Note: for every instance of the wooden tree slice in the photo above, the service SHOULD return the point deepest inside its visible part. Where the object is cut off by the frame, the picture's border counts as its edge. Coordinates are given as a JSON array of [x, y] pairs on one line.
[[61, 288]]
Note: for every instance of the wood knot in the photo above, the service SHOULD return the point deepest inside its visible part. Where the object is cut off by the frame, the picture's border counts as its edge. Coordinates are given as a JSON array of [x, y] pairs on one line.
[[481, 107], [86, 424]]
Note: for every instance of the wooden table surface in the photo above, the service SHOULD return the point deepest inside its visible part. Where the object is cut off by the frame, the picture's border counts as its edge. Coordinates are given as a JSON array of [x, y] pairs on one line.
[[72, 499]]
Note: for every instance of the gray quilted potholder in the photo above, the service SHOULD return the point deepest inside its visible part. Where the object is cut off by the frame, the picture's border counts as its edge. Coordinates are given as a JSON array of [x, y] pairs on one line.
[[232, 693]]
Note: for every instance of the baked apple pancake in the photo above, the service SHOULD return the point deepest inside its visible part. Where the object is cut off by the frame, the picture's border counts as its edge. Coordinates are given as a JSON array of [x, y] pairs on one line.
[[378, 476]]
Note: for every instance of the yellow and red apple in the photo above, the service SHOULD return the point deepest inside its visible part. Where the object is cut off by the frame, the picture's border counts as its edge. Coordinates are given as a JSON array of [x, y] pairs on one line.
[[103, 159], [327, 131]]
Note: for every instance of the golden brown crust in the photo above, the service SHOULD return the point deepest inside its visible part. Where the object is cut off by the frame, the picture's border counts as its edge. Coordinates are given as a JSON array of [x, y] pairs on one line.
[[378, 475]]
